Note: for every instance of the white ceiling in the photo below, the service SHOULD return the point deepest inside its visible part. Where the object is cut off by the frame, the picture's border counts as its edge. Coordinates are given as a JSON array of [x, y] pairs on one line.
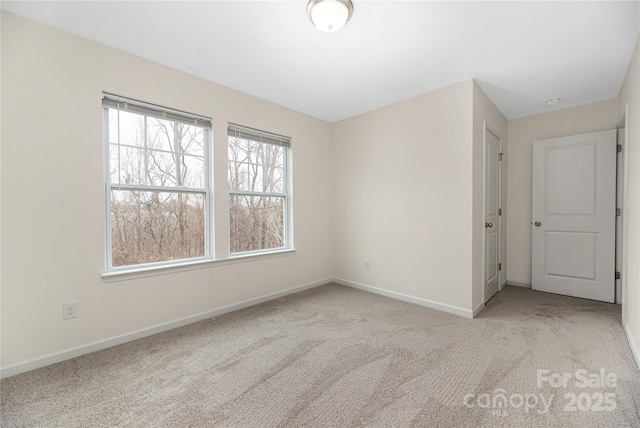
[[521, 53]]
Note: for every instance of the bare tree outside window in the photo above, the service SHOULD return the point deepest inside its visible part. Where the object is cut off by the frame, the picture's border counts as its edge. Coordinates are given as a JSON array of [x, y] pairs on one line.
[[258, 192], [158, 187]]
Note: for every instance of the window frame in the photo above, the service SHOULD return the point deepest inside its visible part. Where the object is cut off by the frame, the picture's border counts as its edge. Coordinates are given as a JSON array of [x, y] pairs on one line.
[[287, 227], [175, 116]]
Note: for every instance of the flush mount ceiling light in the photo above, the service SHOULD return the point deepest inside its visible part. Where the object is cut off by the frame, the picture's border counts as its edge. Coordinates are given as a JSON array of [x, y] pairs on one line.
[[329, 15]]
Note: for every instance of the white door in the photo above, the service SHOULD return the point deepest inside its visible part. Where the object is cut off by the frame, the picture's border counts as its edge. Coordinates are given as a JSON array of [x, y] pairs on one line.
[[573, 217], [491, 214]]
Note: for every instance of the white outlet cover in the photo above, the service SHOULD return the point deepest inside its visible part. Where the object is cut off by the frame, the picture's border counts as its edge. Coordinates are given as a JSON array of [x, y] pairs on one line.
[[69, 310]]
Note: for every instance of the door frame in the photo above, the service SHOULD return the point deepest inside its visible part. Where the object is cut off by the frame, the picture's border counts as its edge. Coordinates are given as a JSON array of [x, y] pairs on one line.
[[622, 187], [486, 127]]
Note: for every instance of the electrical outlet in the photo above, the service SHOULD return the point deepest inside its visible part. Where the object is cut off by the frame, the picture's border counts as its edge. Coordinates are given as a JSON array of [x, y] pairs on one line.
[[367, 264], [69, 310]]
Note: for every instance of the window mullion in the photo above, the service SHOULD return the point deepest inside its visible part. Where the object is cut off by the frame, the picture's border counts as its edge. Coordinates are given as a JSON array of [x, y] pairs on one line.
[[176, 151], [250, 193], [146, 152], [161, 189]]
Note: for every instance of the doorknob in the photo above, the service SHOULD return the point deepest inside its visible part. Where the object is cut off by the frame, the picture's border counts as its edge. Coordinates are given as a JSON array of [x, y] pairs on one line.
[[488, 225], [537, 223]]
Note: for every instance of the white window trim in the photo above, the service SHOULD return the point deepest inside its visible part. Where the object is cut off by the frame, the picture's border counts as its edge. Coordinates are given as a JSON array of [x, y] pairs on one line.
[[284, 142], [149, 268], [144, 271]]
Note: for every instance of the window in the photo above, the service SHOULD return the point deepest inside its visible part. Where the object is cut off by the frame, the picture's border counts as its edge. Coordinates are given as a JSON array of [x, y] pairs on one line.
[[156, 183], [258, 190]]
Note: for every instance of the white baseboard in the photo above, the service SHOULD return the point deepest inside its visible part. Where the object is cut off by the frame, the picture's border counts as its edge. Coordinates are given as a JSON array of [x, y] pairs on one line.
[[632, 344], [57, 357], [519, 284], [411, 299]]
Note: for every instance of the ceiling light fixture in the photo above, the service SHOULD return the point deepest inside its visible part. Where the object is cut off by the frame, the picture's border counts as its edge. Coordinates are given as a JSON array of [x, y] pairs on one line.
[[329, 15], [552, 101]]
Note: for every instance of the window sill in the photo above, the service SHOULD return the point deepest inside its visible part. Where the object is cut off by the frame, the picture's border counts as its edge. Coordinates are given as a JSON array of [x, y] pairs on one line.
[[143, 272]]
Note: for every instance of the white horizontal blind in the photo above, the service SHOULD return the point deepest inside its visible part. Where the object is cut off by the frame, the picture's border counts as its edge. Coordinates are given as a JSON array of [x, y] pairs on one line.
[[153, 110], [246, 133]]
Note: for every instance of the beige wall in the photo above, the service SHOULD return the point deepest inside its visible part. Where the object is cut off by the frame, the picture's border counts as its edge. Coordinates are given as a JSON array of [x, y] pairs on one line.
[[403, 197], [485, 112], [630, 95], [521, 135], [52, 194]]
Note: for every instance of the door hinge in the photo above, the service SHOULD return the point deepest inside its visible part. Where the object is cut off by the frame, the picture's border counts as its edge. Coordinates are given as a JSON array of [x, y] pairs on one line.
[[618, 275], [619, 148], [499, 211], [618, 212], [500, 155], [499, 266]]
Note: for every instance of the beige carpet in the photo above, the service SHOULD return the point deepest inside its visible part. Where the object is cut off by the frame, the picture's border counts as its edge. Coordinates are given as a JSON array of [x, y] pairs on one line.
[[339, 357]]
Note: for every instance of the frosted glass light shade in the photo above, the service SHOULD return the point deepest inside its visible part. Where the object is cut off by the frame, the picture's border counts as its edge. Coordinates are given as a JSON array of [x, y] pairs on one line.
[[329, 15]]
